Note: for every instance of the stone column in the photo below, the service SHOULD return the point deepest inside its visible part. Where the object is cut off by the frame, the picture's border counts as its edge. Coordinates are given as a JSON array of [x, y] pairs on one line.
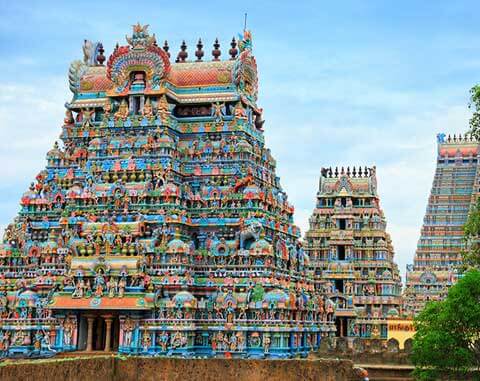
[[108, 336], [90, 320]]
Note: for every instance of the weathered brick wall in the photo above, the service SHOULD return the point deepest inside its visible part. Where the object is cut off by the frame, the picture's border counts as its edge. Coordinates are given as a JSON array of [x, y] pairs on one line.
[[163, 369]]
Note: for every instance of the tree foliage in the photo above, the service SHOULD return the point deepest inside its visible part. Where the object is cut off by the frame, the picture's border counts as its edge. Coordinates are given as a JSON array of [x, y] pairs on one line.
[[475, 106], [471, 230], [447, 340]]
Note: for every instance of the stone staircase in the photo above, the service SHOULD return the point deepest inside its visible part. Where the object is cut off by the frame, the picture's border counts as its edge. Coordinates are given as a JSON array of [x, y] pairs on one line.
[[380, 372]]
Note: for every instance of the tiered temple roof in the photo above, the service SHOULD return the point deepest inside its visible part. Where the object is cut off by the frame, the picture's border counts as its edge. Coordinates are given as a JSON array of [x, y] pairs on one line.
[[454, 189], [351, 253], [159, 225]]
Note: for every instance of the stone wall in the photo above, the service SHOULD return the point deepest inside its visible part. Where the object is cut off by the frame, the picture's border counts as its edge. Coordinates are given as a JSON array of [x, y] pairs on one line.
[[372, 351], [113, 368]]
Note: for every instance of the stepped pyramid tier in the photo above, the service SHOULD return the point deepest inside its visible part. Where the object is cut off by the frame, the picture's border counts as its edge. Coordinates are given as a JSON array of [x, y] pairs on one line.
[[159, 225], [454, 191], [351, 254]]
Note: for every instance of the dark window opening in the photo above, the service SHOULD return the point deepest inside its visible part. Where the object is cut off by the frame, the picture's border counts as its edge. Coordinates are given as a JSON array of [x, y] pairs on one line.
[[339, 285], [341, 252], [193, 111], [98, 115], [342, 223], [135, 106]]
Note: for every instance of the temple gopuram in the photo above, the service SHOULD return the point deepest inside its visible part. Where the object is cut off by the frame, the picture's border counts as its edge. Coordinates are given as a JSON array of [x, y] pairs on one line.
[[454, 191], [159, 226], [351, 254]]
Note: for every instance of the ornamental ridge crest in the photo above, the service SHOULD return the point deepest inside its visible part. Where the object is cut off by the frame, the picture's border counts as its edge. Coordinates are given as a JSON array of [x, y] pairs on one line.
[[140, 37]]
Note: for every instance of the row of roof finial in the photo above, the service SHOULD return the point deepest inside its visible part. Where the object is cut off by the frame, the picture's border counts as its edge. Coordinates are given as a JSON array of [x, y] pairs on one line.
[[199, 53], [465, 138], [365, 172]]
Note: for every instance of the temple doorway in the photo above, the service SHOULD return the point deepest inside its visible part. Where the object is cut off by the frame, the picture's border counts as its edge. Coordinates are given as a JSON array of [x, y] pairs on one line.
[[99, 332]]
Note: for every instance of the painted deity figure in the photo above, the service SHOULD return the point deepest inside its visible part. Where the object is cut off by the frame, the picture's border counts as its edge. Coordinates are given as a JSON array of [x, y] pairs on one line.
[[147, 109], [79, 287], [164, 339], [99, 284], [107, 109], [163, 111], [4, 343], [122, 112], [37, 343], [128, 327], [217, 111], [348, 288], [240, 341], [178, 340], [330, 310], [233, 343], [46, 341], [121, 286], [68, 120], [68, 328], [112, 287], [146, 341], [239, 111]]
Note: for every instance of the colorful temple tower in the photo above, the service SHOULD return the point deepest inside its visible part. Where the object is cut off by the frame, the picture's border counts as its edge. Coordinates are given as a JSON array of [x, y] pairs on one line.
[[454, 189], [351, 253], [159, 225]]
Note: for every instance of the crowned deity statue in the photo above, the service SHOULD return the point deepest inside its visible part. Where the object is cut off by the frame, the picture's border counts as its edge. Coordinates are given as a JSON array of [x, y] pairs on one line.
[[107, 108], [239, 111], [128, 327], [99, 283], [68, 120], [163, 110], [122, 112], [147, 109]]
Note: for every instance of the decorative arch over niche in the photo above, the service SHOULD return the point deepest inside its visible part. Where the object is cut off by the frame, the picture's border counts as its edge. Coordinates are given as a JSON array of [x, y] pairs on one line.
[[142, 55]]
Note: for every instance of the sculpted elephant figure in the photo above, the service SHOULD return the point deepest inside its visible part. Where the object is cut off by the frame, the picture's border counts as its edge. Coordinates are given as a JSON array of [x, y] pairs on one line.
[[249, 232]]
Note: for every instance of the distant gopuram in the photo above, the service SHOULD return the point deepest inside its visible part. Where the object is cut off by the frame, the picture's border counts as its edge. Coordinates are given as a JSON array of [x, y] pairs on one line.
[[159, 225], [455, 187], [351, 254]]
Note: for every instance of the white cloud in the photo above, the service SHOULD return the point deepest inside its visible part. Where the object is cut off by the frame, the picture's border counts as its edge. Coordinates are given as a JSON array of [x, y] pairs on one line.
[[404, 151], [30, 120]]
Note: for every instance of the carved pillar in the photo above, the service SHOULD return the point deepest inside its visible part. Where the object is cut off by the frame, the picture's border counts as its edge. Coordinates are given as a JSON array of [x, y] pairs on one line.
[[108, 338], [90, 320]]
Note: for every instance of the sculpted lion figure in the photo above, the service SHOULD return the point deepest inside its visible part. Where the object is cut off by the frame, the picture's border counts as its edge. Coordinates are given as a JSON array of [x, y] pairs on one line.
[[249, 232]]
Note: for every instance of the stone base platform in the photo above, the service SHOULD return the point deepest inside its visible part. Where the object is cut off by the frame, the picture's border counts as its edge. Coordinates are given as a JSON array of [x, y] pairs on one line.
[[115, 368]]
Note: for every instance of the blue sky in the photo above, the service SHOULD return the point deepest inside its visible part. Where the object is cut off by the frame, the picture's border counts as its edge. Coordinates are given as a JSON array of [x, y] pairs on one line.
[[341, 83]]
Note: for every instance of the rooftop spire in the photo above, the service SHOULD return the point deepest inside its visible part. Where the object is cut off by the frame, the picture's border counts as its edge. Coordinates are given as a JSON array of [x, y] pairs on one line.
[[166, 48], [216, 52], [199, 52], [182, 54], [100, 56], [233, 50]]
